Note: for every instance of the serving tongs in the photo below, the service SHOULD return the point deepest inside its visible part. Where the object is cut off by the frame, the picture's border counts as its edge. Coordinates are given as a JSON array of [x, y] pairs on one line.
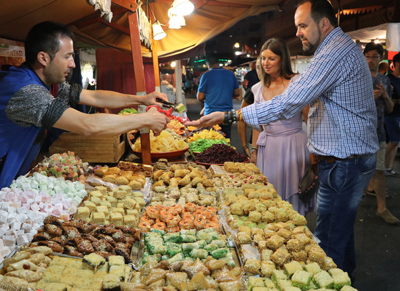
[[174, 106]]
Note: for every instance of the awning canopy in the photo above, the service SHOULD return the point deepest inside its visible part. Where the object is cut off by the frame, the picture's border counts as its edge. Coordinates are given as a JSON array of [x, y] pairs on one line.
[[390, 32], [210, 18]]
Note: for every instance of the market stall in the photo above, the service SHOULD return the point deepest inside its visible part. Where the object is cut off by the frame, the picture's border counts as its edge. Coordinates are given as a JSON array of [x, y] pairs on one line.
[[210, 222]]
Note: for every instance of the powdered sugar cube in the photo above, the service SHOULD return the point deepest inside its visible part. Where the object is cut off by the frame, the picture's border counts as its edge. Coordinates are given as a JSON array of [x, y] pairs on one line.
[[22, 239], [3, 216], [6, 251], [11, 217], [32, 214], [22, 209], [8, 240], [11, 209], [5, 205]]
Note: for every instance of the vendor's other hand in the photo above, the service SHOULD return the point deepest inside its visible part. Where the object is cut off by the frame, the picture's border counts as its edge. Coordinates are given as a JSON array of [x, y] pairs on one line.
[[208, 120], [150, 99], [157, 121]]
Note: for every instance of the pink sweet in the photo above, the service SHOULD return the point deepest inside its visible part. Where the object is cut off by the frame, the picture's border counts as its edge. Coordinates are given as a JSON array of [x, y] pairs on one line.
[[35, 207], [41, 205], [65, 216], [46, 198], [56, 212], [48, 209], [38, 199]]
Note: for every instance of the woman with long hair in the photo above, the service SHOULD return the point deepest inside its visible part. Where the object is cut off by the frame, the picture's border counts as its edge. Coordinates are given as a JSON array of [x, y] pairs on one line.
[[280, 149]]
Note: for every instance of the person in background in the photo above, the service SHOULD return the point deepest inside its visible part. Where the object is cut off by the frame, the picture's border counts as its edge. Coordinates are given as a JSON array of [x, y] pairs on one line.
[[251, 77], [392, 120], [382, 91], [280, 149], [383, 68], [217, 88], [27, 107], [341, 125], [247, 100]]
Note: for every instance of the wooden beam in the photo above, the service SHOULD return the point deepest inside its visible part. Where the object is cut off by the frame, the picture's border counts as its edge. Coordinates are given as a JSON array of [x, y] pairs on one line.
[[154, 48], [139, 79], [130, 5]]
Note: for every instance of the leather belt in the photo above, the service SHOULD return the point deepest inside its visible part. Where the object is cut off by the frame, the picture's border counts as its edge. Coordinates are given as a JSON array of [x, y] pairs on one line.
[[331, 159]]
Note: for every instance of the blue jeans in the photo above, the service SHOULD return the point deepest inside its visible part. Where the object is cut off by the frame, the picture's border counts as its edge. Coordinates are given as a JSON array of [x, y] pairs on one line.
[[341, 186]]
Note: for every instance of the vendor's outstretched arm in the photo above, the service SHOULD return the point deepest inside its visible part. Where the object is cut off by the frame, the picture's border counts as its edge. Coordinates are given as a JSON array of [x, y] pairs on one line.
[[110, 124], [208, 120], [111, 99]]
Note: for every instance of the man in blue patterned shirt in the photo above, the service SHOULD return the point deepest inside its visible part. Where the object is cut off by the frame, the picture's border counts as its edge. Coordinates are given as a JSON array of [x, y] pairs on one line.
[[342, 123]]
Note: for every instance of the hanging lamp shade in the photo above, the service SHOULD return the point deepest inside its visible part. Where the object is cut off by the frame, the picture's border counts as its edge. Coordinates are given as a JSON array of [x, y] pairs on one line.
[[175, 21], [182, 7], [158, 32]]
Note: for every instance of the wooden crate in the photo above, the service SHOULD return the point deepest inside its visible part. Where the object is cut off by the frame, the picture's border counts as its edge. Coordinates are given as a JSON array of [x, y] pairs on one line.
[[100, 149]]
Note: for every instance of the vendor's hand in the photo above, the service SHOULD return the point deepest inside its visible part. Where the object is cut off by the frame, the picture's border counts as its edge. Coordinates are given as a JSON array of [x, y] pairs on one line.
[[157, 121], [150, 99], [253, 158], [208, 120]]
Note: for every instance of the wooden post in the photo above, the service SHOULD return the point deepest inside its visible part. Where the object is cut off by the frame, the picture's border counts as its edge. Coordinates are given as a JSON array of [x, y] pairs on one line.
[[154, 47], [140, 82]]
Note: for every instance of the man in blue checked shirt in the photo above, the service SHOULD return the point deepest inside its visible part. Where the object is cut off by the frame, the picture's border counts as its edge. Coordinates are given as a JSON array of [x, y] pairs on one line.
[[342, 123]]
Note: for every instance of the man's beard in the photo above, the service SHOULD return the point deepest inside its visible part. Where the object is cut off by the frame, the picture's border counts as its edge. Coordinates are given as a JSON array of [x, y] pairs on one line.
[[309, 47]]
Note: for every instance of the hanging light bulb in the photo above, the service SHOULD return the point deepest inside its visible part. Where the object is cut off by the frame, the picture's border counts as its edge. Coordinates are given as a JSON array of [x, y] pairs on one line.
[[182, 7], [158, 32], [175, 21], [173, 64], [236, 45], [377, 41]]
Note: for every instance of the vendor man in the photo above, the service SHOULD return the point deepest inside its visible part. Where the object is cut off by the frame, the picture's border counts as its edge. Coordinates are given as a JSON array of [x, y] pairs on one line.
[[27, 108]]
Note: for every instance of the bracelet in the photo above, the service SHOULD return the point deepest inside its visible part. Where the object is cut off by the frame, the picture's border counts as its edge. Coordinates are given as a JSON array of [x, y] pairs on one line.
[[254, 149], [245, 147], [226, 118], [234, 117]]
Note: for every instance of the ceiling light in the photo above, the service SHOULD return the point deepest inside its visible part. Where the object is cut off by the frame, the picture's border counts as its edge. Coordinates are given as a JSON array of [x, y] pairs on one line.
[[158, 32], [238, 53], [182, 7], [173, 64], [236, 45], [377, 41], [175, 21], [173, 25]]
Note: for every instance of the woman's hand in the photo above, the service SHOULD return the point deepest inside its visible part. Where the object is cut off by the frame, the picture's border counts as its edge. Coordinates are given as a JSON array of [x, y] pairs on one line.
[[246, 151], [253, 158], [208, 120]]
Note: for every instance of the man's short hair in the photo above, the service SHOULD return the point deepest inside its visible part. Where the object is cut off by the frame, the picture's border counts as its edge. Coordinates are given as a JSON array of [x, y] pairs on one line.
[[396, 59], [212, 59], [321, 9], [374, 47], [44, 37]]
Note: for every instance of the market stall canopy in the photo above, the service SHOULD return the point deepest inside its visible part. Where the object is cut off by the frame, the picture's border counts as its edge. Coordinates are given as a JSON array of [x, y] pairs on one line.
[[388, 32], [210, 18]]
